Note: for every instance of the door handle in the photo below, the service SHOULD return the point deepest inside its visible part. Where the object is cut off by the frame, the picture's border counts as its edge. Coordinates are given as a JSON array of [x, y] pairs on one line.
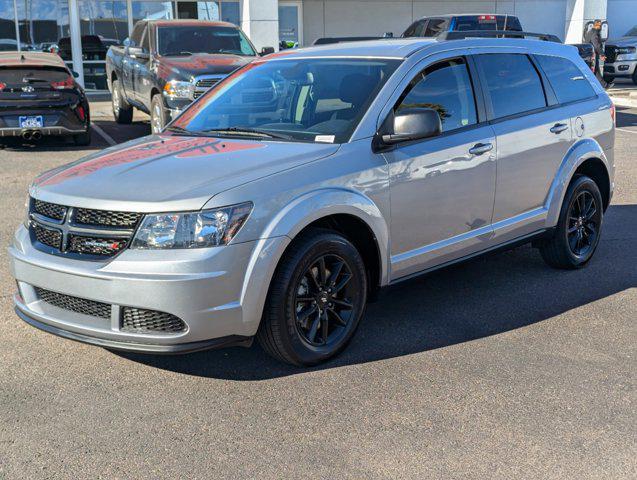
[[559, 128], [480, 148]]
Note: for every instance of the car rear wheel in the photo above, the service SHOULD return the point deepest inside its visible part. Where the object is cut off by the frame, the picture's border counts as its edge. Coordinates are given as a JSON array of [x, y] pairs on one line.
[[122, 110], [83, 139], [158, 118], [316, 299], [579, 227]]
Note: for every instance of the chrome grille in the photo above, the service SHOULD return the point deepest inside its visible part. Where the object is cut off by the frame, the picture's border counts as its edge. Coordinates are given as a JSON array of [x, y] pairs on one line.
[[150, 321], [50, 210], [106, 218], [96, 245], [47, 236], [202, 85], [74, 304]]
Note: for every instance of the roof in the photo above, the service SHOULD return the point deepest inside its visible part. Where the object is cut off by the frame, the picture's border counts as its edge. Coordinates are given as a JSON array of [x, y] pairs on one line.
[[452, 15], [40, 59], [404, 47], [177, 23], [388, 48]]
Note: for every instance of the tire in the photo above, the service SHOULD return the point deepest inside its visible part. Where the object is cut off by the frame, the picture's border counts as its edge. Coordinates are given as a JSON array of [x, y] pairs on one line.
[[634, 77], [122, 110], [292, 328], [83, 139], [158, 117], [579, 226]]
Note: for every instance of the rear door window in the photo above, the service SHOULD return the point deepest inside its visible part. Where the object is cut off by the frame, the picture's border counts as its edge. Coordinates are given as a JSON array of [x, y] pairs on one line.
[[512, 82], [434, 27], [568, 81], [417, 29], [446, 88]]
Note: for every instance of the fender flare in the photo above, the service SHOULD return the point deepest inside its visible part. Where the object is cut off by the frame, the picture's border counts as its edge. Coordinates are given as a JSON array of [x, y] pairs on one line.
[[288, 223], [579, 153]]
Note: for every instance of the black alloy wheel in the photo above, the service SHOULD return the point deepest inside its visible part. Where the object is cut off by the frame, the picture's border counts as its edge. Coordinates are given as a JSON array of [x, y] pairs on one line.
[[583, 224], [316, 299], [324, 300], [579, 226]]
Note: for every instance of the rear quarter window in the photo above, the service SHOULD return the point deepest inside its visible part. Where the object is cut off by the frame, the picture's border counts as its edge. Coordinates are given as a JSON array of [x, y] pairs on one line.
[[567, 80]]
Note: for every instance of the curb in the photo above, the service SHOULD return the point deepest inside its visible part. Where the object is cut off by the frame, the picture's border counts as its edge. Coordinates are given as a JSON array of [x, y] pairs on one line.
[[624, 98]]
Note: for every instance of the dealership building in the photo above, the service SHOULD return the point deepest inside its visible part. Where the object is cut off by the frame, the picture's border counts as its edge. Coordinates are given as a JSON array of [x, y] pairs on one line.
[[82, 30]]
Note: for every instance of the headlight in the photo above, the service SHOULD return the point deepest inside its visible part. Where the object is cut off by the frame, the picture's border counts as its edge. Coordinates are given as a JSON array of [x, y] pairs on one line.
[[625, 50], [208, 228], [178, 89]]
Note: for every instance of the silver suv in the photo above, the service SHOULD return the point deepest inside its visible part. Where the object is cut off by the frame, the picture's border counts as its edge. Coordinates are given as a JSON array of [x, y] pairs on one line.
[[283, 199]]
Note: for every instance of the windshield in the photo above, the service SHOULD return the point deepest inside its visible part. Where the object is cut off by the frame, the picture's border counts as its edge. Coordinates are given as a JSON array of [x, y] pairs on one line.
[[632, 32], [318, 100], [186, 40]]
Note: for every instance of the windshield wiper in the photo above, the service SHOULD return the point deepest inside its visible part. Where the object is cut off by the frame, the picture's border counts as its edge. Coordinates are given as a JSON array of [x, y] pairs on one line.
[[248, 132], [182, 131], [173, 54]]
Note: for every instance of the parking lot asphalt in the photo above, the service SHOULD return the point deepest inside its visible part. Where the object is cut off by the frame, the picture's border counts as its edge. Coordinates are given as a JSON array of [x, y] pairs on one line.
[[496, 368]]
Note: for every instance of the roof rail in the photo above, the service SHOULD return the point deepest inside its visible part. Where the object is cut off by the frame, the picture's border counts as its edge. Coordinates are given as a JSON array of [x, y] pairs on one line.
[[459, 35]]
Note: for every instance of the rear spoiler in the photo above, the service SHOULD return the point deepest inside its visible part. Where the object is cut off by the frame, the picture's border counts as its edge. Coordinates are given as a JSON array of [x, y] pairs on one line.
[[459, 35]]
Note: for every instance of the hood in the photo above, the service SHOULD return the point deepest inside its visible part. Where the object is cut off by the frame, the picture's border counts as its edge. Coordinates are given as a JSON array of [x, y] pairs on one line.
[[186, 66], [623, 42], [169, 173]]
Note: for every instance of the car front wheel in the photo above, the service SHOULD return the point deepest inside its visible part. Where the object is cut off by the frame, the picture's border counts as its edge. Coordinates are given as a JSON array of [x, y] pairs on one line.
[[316, 299], [579, 227], [122, 110], [158, 118]]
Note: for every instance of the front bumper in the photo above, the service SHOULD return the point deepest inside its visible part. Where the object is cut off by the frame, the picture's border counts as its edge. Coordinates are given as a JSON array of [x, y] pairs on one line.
[[203, 287], [620, 68]]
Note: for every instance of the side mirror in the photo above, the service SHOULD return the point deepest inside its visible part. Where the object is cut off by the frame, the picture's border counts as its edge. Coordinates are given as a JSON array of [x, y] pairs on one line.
[[138, 52], [128, 42], [75, 74], [411, 124], [267, 51]]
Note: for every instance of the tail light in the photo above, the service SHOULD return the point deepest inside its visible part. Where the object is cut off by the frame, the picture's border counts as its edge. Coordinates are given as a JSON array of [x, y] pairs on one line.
[[488, 18], [2, 86], [68, 82], [80, 112], [613, 113]]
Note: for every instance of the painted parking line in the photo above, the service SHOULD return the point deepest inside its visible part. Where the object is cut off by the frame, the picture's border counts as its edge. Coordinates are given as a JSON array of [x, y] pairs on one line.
[[103, 134], [626, 130]]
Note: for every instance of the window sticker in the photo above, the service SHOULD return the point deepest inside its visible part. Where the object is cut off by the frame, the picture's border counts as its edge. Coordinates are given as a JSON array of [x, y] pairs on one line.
[[324, 138]]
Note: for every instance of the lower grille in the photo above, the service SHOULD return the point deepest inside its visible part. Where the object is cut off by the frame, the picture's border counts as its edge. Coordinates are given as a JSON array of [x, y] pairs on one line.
[[96, 245], [74, 304], [47, 236], [150, 321]]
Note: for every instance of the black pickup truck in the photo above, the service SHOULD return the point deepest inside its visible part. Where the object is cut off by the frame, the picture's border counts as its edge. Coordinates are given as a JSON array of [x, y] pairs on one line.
[[166, 64]]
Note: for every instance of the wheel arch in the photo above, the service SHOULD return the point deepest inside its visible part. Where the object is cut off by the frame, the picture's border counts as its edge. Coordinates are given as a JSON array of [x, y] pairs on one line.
[[584, 158], [349, 213]]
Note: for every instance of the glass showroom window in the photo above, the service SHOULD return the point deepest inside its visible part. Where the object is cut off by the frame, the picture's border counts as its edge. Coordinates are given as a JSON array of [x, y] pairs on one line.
[[102, 24], [7, 27], [149, 10], [43, 24]]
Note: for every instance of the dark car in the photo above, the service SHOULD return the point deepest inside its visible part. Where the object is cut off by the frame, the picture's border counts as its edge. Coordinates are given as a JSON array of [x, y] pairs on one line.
[[39, 96], [435, 26], [166, 64]]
